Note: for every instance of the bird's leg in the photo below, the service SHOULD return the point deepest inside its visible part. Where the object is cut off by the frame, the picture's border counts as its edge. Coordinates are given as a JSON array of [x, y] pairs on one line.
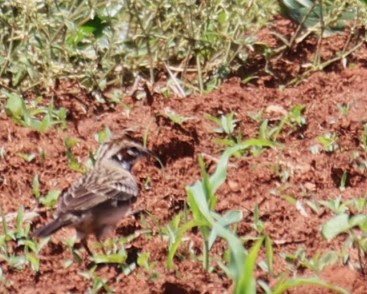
[[85, 245], [135, 211], [102, 245]]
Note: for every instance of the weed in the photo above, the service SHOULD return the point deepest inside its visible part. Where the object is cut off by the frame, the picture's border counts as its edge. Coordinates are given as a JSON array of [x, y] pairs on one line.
[[72, 159], [316, 263], [226, 123], [336, 205], [198, 45], [175, 117], [98, 283], [329, 142], [143, 261], [343, 223], [34, 115], [15, 236]]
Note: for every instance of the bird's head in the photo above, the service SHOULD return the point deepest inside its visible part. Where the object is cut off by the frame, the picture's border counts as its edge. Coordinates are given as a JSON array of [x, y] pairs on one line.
[[121, 151]]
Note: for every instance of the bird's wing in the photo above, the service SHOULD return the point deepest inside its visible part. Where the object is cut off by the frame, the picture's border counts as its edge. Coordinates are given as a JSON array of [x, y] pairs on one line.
[[96, 188]]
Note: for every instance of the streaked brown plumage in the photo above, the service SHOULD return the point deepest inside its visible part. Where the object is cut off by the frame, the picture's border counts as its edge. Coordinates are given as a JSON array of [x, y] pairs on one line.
[[98, 200]]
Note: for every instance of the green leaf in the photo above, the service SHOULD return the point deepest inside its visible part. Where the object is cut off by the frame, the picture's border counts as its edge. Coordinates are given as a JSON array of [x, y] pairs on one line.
[[20, 220], [292, 283], [27, 157], [34, 261], [246, 283], [15, 104], [335, 226], [269, 254], [179, 236], [237, 252], [229, 218], [111, 258], [51, 198], [36, 186], [220, 174]]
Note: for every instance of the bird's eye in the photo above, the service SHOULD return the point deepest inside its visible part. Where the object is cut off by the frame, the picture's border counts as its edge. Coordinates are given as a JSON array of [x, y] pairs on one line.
[[133, 151]]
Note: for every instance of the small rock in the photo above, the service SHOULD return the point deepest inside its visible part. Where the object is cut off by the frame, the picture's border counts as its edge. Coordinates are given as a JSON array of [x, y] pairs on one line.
[[310, 186], [233, 185]]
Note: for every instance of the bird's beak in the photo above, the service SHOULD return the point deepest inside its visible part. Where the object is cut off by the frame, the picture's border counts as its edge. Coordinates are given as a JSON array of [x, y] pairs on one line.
[[145, 153]]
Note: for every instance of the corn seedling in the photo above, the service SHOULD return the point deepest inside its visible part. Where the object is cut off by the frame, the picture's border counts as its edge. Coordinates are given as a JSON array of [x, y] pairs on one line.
[[202, 201]]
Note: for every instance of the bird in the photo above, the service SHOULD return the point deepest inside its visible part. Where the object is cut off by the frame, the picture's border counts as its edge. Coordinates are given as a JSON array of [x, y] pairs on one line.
[[95, 203]]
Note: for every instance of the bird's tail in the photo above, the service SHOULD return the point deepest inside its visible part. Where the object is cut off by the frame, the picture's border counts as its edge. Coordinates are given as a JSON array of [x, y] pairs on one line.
[[50, 228]]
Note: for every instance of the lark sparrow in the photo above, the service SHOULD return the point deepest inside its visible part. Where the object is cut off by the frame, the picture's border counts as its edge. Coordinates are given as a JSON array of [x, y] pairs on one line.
[[99, 199]]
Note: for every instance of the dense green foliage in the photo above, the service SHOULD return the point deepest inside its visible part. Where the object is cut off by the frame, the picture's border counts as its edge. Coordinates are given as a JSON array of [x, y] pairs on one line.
[[99, 43]]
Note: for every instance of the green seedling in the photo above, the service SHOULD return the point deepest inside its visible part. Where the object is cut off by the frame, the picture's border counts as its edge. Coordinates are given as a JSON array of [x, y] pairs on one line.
[[29, 157], [15, 235], [226, 123], [202, 202], [343, 181], [37, 117], [343, 223], [174, 232], [316, 263], [329, 142], [344, 108], [283, 284], [72, 160], [51, 198], [294, 119], [102, 136], [256, 116], [259, 227], [77, 255], [150, 267], [115, 258], [98, 284], [36, 186], [336, 205], [296, 116], [358, 204], [175, 117], [315, 206], [258, 224]]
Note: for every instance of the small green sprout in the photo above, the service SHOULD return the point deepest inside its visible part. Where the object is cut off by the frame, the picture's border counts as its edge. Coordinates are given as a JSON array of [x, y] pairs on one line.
[[72, 160], [36, 186], [29, 157], [150, 267], [329, 142], [104, 135], [51, 199], [226, 123], [175, 117], [33, 115], [98, 284]]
